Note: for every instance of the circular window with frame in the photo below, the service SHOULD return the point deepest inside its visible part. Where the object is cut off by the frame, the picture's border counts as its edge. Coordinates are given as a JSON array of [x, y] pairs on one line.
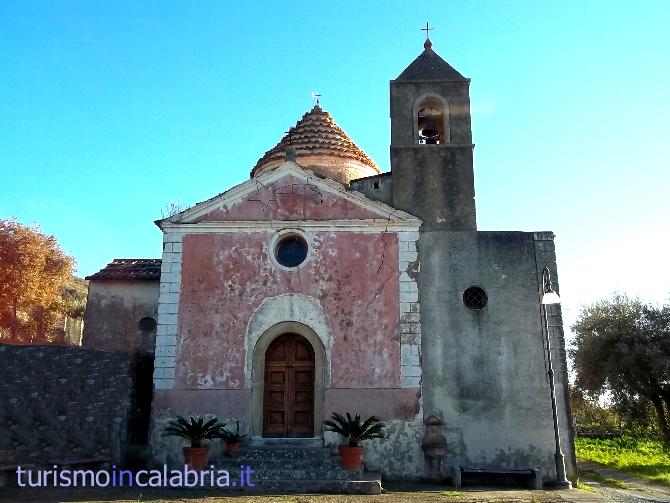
[[475, 298], [290, 250]]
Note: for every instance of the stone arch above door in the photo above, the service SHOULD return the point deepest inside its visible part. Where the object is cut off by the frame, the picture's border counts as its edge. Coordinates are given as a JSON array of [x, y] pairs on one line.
[[289, 313], [295, 308]]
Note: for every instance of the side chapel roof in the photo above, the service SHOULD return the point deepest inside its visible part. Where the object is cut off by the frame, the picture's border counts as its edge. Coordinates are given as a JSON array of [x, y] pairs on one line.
[[130, 269]]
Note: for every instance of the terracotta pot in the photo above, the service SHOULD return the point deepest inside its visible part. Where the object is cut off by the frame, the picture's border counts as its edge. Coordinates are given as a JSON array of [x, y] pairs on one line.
[[196, 457], [352, 457], [231, 448]]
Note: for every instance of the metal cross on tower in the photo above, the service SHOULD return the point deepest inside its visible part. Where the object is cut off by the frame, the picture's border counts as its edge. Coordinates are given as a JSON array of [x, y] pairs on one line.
[[427, 30], [315, 97]]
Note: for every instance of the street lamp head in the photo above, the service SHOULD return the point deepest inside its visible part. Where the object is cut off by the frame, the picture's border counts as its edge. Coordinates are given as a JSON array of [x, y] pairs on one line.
[[551, 298], [548, 295]]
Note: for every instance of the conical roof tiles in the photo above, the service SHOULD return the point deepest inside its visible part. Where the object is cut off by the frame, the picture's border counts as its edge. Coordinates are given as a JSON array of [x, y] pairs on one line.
[[316, 134]]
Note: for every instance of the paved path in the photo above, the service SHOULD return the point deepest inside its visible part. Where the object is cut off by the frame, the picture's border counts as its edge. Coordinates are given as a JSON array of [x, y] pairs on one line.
[[640, 491]]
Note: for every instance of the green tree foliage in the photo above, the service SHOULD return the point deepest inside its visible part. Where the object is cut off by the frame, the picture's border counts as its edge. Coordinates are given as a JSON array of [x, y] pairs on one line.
[[33, 274], [622, 347]]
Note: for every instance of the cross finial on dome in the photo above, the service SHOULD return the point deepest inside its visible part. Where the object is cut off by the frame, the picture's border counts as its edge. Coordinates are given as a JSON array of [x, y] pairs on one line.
[[315, 97], [427, 44]]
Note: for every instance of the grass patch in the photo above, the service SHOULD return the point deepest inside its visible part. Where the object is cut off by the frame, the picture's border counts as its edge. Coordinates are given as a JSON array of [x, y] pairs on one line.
[[452, 494], [643, 458], [584, 487], [607, 481]]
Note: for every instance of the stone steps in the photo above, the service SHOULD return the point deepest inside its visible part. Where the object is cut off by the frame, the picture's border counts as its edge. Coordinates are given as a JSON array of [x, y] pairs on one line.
[[281, 467]]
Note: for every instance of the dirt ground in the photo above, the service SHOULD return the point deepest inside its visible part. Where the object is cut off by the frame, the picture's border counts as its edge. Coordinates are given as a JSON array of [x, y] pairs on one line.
[[415, 493]]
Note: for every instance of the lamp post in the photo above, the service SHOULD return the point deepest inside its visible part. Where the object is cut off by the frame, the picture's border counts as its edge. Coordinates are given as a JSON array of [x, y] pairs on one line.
[[551, 297]]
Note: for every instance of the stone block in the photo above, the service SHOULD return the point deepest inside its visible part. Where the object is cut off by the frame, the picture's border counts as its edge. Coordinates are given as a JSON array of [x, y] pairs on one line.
[[173, 237], [166, 351], [408, 235], [175, 287], [410, 381], [408, 286], [164, 362], [408, 256], [172, 308], [409, 296], [166, 340], [410, 370], [168, 298], [176, 247], [171, 257], [164, 373], [163, 383], [171, 277], [409, 349], [413, 360]]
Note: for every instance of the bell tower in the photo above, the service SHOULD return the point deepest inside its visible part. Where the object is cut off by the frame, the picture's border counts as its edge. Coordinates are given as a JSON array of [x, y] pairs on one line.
[[431, 144]]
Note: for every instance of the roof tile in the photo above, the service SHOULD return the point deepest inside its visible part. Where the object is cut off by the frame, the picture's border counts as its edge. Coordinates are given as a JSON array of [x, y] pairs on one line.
[[316, 134], [130, 268]]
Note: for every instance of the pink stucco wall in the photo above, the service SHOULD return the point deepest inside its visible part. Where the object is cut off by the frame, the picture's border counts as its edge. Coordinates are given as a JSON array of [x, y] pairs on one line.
[[290, 198], [226, 276]]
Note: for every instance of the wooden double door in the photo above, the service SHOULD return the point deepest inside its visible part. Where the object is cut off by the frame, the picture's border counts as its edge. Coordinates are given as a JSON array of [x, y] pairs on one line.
[[288, 397]]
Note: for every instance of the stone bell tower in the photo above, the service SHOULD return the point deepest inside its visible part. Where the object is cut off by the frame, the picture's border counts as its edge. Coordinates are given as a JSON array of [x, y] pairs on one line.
[[431, 144]]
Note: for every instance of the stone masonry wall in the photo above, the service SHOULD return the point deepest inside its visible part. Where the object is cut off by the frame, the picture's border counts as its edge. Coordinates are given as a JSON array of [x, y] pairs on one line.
[[62, 405]]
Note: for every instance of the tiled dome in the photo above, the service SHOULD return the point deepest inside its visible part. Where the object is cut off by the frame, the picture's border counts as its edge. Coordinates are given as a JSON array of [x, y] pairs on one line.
[[321, 146]]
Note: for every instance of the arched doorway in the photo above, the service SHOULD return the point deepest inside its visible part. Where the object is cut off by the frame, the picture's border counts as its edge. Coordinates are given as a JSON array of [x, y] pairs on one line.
[[288, 388]]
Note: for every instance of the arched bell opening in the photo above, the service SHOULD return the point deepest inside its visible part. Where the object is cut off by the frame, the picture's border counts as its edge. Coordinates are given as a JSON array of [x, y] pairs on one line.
[[431, 123]]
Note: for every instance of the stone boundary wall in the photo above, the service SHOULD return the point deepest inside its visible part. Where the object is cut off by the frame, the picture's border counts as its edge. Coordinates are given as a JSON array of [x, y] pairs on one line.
[[62, 405]]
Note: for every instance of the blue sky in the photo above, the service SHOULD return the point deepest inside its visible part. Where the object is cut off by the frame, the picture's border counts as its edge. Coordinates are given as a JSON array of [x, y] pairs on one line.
[[112, 110]]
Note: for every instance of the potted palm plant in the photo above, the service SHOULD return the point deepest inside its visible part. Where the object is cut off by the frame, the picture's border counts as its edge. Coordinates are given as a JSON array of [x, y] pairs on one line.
[[231, 439], [195, 431], [354, 431]]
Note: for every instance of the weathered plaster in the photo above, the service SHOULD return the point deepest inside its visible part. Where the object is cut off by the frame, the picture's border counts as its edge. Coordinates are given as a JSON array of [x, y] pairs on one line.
[[484, 371], [113, 311], [290, 198], [227, 276]]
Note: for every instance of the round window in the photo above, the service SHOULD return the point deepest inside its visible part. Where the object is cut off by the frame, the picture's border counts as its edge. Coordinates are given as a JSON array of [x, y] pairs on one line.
[[291, 251], [475, 297], [147, 324]]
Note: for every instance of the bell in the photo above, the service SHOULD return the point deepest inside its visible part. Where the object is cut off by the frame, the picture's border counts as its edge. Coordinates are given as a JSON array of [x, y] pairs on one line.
[[430, 131]]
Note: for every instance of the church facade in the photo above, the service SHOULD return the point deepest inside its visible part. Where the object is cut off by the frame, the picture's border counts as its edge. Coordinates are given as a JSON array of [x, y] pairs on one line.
[[322, 285]]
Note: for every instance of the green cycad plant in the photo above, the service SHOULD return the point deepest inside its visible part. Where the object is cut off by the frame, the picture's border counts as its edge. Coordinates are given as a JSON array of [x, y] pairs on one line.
[[196, 431], [228, 436], [353, 430]]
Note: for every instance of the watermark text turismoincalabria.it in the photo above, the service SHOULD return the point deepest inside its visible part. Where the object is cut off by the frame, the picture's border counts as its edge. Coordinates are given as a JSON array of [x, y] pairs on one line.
[[115, 477]]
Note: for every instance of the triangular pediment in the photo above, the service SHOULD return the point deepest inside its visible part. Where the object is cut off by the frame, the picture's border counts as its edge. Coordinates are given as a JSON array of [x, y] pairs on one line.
[[289, 193]]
